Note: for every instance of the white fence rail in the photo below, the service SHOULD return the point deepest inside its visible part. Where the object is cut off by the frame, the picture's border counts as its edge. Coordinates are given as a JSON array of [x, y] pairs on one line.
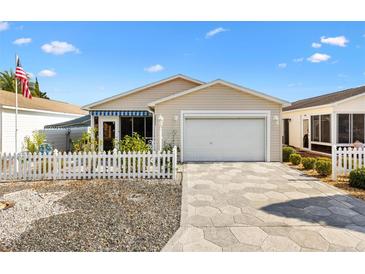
[[345, 159], [63, 166]]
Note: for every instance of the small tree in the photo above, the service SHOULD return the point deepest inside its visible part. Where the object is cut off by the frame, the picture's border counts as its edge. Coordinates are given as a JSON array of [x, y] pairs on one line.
[[86, 143], [33, 143]]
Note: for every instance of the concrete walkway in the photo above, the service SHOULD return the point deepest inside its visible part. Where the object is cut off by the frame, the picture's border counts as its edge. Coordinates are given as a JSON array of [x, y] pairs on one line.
[[264, 207]]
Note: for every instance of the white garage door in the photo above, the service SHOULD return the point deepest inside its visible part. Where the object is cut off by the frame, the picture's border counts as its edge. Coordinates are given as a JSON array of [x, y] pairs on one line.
[[224, 139]]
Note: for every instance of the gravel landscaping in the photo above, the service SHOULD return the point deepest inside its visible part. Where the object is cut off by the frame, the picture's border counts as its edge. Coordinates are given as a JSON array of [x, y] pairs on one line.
[[98, 215]]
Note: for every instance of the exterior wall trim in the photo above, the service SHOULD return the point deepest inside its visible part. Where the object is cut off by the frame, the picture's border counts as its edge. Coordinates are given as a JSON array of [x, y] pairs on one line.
[[266, 114]]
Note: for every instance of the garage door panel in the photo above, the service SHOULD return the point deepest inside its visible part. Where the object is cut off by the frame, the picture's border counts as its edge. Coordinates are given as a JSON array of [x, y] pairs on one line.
[[225, 139]]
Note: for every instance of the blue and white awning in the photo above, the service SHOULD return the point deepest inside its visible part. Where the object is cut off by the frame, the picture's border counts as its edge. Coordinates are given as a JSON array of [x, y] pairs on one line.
[[125, 113]]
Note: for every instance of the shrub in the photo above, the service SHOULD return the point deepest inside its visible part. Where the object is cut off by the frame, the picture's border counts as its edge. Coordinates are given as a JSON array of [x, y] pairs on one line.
[[323, 167], [287, 151], [133, 143], [33, 143], [357, 178], [308, 162], [295, 158], [86, 143]]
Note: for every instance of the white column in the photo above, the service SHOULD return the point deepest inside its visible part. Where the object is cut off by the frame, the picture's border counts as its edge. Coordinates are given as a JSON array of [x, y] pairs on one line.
[[160, 125]]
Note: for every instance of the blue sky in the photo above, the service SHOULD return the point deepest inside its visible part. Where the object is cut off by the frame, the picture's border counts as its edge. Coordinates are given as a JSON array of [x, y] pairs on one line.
[[81, 62]]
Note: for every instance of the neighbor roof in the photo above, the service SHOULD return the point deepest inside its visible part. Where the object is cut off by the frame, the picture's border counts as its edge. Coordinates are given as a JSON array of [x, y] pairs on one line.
[[8, 99], [181, 76], [83, 121], [326, 98], [222, 82]]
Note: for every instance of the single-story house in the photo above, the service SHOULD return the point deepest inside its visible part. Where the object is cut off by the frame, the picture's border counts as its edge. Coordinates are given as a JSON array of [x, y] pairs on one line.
[[33, 114], [213, 121], [320, 122], [61, 135]]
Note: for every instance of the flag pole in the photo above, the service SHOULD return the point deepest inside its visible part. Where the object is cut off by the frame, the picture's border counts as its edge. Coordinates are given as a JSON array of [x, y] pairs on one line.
[[16, 116]]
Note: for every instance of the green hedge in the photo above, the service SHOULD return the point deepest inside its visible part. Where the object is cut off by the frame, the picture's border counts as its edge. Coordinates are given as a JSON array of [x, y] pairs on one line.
[[287, 151], [323, 167], [295, 158], [308, 163], [357, 178]]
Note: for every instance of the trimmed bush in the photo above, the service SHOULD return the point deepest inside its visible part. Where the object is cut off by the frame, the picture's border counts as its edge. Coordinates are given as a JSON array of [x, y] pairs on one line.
[[323, 167], [295, 158], [287, 151], [357, 178], [308, 163]]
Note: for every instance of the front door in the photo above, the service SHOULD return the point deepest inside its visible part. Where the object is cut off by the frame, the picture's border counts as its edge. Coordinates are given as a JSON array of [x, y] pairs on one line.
[[306, 133], [108, 135], [108, 132]]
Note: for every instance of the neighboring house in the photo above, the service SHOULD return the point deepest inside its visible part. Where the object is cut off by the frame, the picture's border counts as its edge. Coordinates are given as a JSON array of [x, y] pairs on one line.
[[61, 135], [33, 114], [332, 119], [214, 121]]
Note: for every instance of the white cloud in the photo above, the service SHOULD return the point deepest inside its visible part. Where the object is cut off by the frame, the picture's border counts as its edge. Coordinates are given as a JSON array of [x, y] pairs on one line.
[[21, 41], [318, 57], [4, 26], [364, 73], [213, 32], [341, 75], [298, 60], [282, 65], [155, 68], [47, 73], [316, 45], [340, 41], [59, 48]]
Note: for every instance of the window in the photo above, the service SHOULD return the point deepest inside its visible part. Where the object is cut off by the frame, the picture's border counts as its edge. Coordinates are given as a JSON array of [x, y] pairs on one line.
[[325, 128], [358, 128], [140, 125], [343, 128], [321, 128], [315, 128], [350, 128]]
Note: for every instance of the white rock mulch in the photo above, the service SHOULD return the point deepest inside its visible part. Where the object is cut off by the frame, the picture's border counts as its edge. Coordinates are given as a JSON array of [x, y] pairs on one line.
[[29, 207]]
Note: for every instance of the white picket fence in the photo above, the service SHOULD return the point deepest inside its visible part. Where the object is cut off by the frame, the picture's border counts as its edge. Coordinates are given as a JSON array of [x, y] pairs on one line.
[[63, 166], [345, 159]]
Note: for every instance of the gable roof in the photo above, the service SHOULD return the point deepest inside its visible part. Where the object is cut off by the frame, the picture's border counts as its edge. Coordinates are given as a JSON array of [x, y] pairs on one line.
[[222, 82], [8, 99], [326, 99], [178, 76]]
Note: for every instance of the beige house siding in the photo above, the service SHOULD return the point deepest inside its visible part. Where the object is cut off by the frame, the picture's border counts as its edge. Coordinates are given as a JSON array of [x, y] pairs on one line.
[[140, 99], [217, 97], [355, 104]]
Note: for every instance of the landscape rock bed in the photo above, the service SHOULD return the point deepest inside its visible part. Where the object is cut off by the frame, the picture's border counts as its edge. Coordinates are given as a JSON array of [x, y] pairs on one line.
[[98, 215]]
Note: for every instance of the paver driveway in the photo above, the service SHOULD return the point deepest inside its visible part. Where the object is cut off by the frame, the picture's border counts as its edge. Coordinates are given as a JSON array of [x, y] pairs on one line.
[[264, 207]]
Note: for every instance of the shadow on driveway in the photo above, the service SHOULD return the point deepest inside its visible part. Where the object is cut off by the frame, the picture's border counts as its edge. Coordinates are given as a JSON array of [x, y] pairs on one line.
[[339, 211]]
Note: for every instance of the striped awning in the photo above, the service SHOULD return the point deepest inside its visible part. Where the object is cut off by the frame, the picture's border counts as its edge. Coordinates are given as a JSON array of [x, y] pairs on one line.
[[125, 113]]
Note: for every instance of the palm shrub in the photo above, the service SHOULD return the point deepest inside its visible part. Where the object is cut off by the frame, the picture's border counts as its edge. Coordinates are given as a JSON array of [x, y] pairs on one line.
[[357, 178], [295, 158], [86, 143], [308, 163], [287, 151], [323, 167], [32, 144]]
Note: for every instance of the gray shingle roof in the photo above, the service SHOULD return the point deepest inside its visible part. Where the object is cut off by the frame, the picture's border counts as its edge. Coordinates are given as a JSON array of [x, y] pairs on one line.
[[326, 98]]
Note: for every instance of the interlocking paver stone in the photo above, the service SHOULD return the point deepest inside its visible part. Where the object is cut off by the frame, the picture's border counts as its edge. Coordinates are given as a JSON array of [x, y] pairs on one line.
[[249, 235], [264, 207]]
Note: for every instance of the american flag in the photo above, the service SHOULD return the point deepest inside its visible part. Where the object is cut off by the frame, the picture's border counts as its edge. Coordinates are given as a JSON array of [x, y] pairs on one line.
[[23, 78]]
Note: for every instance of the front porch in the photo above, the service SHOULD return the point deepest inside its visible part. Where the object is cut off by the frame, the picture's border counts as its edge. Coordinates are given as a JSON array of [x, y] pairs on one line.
[[320, 132], [113, 125]]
